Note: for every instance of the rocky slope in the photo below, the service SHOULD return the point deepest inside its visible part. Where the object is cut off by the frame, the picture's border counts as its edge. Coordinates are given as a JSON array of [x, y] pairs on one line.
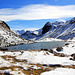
[[59, 30], [8, 37]]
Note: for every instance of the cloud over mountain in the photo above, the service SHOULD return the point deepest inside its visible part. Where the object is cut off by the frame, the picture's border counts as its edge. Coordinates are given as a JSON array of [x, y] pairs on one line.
[[36, 12]]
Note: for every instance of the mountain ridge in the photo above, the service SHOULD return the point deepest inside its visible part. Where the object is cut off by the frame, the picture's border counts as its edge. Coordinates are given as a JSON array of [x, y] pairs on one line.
[[59, 30]]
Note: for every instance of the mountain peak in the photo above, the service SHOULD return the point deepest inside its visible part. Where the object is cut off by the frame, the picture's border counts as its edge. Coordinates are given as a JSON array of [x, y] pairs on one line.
[[72, 20], [46, 27], [48, 24], [4, 25]]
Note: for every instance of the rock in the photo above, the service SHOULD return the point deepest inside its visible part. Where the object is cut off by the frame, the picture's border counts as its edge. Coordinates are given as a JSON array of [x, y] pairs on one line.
[[59, 49], [73, 55], [4, 25], [70, 59], [6, 73], [22, 52], [72, 46], [47, 53], [4, 49], [59, 54], [62, 55], [41, 49], [54, 65], [44, 64], [45, 49], [66, 44], [51, 51], [46, 27]]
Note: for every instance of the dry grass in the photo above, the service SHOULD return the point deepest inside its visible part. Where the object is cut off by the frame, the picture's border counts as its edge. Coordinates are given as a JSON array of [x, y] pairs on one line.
[[34, 50], [30, 70], [69, 66], [8, 58], [27, 72], [34, 71]]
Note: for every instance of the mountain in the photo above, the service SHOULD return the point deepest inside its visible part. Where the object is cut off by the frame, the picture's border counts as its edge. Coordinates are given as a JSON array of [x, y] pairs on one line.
[[19, 32], [59, 30], [62, 31], [8, 37], [29, 34]]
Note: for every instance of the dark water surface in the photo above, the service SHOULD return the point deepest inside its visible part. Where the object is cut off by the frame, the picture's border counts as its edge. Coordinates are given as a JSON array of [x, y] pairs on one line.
[[38, 45]]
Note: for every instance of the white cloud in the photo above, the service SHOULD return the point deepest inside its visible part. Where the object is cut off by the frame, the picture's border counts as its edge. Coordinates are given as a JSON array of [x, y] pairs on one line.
[[37, 11], [31, 29], [27, 29]]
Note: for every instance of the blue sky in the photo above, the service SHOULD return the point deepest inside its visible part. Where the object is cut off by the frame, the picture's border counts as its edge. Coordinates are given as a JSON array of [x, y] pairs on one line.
[[33, 14]]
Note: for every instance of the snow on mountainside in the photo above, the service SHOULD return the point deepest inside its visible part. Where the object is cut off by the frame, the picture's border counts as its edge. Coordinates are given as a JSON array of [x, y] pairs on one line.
[[48, 40], [8, 37], [59, 30], [30, 35], [19, 32]]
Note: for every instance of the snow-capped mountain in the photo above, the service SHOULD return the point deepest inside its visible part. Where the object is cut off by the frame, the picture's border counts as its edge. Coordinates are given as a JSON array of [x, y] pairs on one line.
[[8, 37], [62, 31], [59, 30], [19, 32], [29, 34]]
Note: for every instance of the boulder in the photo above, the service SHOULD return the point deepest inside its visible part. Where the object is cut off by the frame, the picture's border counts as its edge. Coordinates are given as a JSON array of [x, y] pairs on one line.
[[59, 49], [73, 55]]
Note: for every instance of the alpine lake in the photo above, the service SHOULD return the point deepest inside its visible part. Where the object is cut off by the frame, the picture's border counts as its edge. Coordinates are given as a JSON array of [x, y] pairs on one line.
[[38, 45]]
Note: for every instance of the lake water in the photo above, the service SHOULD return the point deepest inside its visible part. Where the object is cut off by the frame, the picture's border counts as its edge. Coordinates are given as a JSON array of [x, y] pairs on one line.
[[38, 45]]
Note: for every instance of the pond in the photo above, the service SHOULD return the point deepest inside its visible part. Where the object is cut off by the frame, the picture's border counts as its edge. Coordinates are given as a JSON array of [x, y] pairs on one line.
[[38, 45]]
